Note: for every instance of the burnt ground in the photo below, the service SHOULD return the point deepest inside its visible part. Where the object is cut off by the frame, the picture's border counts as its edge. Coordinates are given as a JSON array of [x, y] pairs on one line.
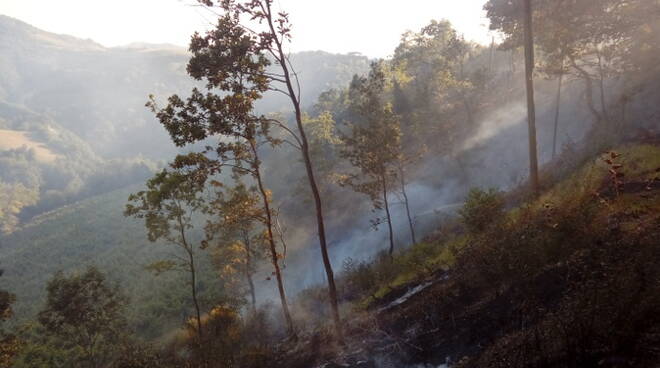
[[598, 305]]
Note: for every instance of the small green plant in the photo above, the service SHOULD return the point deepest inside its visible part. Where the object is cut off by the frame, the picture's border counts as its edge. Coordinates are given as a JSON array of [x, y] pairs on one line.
[[482, 209], [358, 278]]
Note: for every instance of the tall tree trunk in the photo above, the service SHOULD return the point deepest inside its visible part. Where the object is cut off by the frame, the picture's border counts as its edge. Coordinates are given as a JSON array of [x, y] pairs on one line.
[[193, 277], [193, 287], [402, 180], [248, 271], [387, 212], [557, 105], [271, 241], [531, 113], [332, 289]]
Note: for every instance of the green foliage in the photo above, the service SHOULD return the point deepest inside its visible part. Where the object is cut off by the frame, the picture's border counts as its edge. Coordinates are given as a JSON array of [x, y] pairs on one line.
[[166, 204], [325, 146], [567, 257], [167, 207], [53, 167], [591, 39], [577, 252], [95, 232], [237, 236], [358, 278], [137, 355], [425, 101], [369, 282], [104, 141], [6, 300], [87, 313], [43, 351], [232, 60], [482, 210], [9, 344], [435, 87], [640, 164], [373, 144], [430, 92], [611, 26], [497, 246]]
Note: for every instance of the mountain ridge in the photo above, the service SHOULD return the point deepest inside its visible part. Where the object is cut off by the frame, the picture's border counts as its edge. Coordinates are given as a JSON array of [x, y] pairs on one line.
[[85, 103], [10, 26]]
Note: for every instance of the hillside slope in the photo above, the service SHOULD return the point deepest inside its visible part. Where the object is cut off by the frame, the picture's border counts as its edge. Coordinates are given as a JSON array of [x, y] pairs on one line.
[[568, 280], [95, 232], [72, 111]]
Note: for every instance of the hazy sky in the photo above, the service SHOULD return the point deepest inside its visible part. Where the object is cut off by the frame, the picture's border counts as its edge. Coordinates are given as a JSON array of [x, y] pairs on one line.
[[372, 27]]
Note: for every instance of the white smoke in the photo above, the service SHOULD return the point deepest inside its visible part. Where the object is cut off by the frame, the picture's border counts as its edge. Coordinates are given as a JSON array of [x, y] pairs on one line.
[[496, 122]]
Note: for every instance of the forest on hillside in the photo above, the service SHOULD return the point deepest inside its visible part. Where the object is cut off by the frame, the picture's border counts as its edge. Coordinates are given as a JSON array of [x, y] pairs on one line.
[[451, 205], [72, 118]]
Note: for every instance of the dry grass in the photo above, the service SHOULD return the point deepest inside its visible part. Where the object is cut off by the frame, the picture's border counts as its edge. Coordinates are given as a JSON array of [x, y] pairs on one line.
[[14, 139]]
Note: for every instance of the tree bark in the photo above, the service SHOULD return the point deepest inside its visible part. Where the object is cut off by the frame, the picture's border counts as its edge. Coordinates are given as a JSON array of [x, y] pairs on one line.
[[407, 204], [271, 241], [193, 286], [248, 271], [332, 289], [531, 111], [557, 106], [387, 212], [193, 277]]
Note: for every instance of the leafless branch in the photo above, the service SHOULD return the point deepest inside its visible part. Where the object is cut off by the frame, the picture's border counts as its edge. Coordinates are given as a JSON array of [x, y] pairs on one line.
[[287, 129]]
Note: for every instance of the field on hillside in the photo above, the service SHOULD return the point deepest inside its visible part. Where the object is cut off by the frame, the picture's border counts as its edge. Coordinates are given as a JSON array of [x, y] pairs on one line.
[[14, 139]]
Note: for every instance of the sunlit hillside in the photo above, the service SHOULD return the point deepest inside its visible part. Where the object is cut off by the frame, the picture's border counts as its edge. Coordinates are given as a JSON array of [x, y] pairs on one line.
[[241, 202]]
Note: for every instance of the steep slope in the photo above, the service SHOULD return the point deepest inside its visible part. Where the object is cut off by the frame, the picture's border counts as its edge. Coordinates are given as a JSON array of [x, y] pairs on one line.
[[74, 137], [567, 280], [93, 232]]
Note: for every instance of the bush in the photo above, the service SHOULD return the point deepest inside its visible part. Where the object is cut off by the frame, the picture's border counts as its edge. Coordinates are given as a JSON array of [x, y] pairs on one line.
[[137, 355], [482, 209], [358, 279]]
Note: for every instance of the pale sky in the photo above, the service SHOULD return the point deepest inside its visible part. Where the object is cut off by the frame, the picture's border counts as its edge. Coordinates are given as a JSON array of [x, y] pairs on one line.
[[372, 27]]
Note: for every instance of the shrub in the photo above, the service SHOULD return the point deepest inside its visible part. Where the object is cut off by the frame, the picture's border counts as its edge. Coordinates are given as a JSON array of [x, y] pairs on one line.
[[358, 279], [482, 209]]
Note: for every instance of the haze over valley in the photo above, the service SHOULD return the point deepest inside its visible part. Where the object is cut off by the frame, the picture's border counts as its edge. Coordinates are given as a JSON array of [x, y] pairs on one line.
[[450, 203]]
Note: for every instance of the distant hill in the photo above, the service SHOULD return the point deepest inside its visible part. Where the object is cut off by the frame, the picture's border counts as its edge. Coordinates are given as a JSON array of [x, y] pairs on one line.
[[76, 139], [24, 36], [78, 109]]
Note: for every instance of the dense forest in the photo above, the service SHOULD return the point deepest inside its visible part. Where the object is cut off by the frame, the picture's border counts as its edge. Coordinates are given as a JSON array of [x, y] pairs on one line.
[[237, 205]]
